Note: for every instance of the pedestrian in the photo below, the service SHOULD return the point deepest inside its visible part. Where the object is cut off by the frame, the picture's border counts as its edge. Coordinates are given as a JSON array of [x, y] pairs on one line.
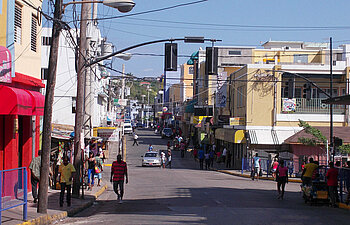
[[201, 157], [135, 139], [228, 159], [332, 183], [66, 172], [308, 171], [98, 169], [347, 180], [118, 172], [207, 160], [150, 148], [182, 149], [34, 167], [213, 147], [168, 145], [224, 153], [169, 159], [195, 152], [257, 166], [282, 179], [211, 158], [274, 168], [163, 158], [91, 171]]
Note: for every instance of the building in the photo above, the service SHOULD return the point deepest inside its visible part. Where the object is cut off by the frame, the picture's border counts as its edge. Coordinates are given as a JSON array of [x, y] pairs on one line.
[[21, 104], [175, 98], [97, 81]]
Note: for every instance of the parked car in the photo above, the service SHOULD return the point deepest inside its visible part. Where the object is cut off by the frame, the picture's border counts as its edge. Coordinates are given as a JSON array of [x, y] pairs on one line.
[[167, 133], [151, 159]]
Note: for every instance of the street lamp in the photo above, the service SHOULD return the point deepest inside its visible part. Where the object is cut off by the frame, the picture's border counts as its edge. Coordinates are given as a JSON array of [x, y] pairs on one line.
[[123, 6]]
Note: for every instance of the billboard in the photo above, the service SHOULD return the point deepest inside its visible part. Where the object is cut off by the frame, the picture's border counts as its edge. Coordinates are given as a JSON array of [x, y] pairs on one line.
[[221, 91]]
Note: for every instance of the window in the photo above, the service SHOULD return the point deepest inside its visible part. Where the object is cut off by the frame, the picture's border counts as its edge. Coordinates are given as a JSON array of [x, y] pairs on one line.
[[300, 58], [74, 104], [33, 33], [44, 73], [234, 52], [18, 24], [46, 41], [190, 70], [240, 96]]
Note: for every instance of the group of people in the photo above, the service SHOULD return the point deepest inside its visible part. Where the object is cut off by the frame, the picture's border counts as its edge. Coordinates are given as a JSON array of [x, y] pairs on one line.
[[66, 172], [94, 165], [310, 173]]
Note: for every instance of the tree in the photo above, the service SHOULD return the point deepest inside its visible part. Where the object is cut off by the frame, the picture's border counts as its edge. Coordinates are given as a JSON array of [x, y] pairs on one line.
[[317, 139]]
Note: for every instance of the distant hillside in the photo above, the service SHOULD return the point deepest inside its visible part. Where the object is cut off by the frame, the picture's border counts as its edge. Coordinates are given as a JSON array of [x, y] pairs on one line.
[[137, 90]]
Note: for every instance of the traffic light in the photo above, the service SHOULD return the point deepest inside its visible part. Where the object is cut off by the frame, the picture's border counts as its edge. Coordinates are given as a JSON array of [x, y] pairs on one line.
[[337, 141], [211, 60], [307, 91], [290, 88], [170, 59]]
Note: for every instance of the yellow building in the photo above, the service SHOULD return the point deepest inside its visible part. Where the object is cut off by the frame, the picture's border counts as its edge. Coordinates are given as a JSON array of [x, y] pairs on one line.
[[186, 82]]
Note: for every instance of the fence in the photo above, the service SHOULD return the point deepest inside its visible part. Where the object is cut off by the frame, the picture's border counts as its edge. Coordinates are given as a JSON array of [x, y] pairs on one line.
[[13, 190]]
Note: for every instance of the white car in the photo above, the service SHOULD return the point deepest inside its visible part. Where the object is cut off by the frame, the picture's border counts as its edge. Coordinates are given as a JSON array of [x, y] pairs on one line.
[[151, 159], [127, 128]]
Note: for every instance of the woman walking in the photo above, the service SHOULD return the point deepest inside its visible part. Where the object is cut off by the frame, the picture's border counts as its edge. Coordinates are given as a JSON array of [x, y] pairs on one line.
[[282, 179], [274, 168], [91, 170]]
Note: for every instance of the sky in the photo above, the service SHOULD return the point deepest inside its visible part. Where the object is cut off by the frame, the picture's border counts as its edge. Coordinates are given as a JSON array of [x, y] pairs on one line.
[[235, 22]]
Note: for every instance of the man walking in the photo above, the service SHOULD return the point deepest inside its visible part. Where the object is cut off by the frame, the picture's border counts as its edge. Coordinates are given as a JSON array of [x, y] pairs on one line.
[[309, 168], [256, 163], [118, 172], [66, 171], [201, 157], [135, 139], [34, 167]]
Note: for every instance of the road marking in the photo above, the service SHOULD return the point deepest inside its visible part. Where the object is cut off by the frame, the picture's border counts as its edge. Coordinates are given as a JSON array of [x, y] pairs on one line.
[[218, 202]]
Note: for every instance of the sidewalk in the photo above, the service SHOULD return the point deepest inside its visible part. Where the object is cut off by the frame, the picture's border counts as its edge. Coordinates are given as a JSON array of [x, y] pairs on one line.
[[54, 212]]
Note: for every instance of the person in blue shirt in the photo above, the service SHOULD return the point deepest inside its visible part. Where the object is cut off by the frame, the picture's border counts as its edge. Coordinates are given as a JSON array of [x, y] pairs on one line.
[[201, 157], [256, 164], [150, 148]]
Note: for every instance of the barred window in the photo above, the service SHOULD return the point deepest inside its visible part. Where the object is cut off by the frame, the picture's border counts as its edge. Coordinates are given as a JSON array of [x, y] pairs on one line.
[[18, 24], [46, 41], [33, 33]]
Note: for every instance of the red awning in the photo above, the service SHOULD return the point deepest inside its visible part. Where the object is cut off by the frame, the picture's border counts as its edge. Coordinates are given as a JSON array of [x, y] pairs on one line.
[[15, 101], [38, 103]]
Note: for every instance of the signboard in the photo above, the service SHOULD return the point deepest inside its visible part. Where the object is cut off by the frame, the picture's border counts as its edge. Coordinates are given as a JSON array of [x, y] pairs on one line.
[[5, 65], [234, 121], [221, 91], [288, 105], [121, 102], [165, 109]]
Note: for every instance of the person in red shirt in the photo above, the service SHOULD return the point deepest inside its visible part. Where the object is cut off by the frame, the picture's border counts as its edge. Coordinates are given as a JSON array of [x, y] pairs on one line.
[[118, 172], [332, 183], [282, 179]]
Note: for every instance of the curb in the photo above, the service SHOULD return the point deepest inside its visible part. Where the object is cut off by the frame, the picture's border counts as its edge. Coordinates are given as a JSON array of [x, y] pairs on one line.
[[344, 206], [260, 178], [47, 219]]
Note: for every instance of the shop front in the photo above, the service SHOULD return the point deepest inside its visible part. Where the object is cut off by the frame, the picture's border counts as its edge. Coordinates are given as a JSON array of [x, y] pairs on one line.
[[21, 111]]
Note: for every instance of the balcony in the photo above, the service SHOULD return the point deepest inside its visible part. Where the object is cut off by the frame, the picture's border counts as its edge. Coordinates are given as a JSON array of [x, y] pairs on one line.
[[312, 106]]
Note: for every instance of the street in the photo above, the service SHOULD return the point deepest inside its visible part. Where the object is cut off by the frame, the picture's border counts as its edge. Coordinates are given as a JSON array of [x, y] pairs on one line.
[[187, 195]]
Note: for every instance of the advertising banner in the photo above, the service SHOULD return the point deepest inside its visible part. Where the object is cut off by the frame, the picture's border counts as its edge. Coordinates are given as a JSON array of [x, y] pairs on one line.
[[5, 65], [221, 92]]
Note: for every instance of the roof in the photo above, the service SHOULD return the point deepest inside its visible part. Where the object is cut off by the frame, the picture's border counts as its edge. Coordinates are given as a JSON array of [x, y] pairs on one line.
[[341, 132]]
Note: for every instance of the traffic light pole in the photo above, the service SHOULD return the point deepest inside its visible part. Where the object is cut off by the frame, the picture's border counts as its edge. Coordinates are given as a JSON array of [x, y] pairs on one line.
[[331, 95]]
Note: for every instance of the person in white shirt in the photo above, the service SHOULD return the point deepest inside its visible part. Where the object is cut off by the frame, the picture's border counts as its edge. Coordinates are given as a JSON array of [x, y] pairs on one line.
[[135, 140], [224, 153]]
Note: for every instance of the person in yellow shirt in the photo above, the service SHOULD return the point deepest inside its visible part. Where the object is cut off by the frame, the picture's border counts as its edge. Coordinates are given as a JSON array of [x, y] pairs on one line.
[[309, 168], [66, 171]]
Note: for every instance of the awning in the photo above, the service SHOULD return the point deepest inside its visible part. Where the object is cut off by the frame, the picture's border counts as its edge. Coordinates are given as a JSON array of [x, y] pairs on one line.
[[269, 137], [15, 101], [230, 135], [38, 102]]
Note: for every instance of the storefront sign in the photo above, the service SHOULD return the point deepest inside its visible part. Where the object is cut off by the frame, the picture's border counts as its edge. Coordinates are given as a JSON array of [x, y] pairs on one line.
[[234, 121], [5, 65], [221, 92]]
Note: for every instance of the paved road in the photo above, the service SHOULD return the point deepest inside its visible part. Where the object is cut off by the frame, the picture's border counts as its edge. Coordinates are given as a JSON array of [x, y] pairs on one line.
[[186, 195]]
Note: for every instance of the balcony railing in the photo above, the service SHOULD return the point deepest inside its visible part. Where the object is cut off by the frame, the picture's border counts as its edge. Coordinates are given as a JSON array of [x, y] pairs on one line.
[[301, 105]]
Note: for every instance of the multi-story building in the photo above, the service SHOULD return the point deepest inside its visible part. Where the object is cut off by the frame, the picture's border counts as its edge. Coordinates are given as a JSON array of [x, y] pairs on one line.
[[174, 98], [97, 82], [21, 104], [258, 101]]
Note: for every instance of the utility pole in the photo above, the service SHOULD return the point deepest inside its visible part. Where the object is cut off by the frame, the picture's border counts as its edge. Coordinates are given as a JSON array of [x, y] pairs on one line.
[[331, 96], [79, 115], [49, 98], [147, 106]]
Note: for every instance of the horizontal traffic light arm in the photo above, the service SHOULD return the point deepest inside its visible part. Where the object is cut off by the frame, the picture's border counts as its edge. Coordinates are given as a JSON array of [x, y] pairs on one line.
[[143, 44]]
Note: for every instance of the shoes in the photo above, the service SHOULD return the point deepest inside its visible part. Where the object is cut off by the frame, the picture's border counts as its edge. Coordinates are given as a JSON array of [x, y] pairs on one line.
[[120, 201]]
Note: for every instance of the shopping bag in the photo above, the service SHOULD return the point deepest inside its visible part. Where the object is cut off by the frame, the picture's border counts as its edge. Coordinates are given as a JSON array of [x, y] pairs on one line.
[[97, 170]]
